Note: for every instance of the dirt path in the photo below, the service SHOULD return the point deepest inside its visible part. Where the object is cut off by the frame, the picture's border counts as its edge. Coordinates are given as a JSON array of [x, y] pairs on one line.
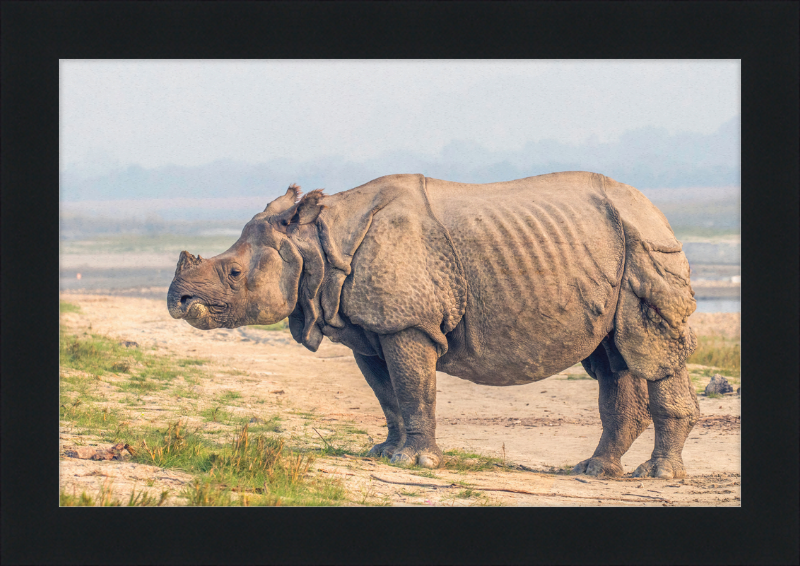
[[541, 428]]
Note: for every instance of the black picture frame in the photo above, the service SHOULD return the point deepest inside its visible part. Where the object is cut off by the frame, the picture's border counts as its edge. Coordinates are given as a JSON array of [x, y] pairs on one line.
[[764, 35]]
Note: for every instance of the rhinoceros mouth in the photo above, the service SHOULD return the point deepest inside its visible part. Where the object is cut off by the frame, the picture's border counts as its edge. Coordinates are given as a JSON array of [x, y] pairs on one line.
[[196, 311], [199, 310], [185, 307], [206, 316]]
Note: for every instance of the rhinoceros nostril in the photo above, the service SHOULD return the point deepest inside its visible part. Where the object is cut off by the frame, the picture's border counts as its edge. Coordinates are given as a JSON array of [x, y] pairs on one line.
[[185, 298]]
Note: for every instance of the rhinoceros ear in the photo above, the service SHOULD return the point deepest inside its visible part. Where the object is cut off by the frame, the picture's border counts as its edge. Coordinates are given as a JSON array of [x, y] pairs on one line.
[[308, 208], [284, 202], [304, 212]]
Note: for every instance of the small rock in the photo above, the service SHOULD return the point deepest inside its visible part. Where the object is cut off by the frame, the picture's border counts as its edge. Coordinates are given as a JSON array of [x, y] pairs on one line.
[[718, 385], [129, 344], [82, 452], [113, 452]]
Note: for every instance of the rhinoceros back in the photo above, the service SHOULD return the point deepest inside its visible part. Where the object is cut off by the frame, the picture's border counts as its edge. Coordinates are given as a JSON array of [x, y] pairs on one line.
[[543, 258]]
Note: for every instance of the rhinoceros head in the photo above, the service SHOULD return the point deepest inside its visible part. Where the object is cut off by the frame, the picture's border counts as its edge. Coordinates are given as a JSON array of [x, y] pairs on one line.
[[256, 280]]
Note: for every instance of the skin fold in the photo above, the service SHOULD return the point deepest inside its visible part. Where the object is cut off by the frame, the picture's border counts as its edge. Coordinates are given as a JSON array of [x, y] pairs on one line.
[[500, 284]]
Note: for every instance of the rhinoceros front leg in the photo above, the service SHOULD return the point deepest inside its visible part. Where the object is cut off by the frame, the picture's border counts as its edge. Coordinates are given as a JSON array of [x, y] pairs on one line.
[[377, 375], [624, 412], [411, 358], [673, 404]]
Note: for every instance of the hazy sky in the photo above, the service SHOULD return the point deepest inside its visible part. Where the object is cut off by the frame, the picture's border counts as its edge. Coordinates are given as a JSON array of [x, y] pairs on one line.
[[153, 113]]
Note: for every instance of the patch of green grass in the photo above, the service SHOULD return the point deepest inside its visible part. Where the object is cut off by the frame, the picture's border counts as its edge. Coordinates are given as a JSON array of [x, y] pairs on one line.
[[203, 492], [248, 470], [350, 429], [87, 417], [371, 498], [485, 501], [266, 425], [174, 447], [704, 372], [337, 444], [139, 384], [82, 500], [226, 473], [461, 461], [229, 396], [575, 376], [80, 386], [307, 416], [99, 355], [423, 472], [714, 396], [280, 326], [65, 307], [93, 354], [185, 392], [106, 499], [161, 371], [718, 352], [467, 493], [233, 372], [216, 414]]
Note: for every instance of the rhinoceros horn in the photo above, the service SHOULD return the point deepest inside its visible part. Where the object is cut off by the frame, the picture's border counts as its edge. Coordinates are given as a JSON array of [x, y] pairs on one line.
[[187, 261], [284, 202]]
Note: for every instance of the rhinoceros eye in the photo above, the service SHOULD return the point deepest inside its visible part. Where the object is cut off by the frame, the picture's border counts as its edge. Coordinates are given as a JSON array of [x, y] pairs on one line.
[[235, 272]]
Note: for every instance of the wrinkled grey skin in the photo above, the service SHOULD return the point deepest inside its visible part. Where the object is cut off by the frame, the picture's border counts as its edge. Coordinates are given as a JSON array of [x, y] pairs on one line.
[[501, 284]]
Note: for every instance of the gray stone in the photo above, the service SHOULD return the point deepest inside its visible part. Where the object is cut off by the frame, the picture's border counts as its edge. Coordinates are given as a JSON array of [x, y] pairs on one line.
[[718, 385]]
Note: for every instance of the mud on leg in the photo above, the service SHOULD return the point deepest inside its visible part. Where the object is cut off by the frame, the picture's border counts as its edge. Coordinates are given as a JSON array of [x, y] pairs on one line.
[[675, 410], [624, 412], [411, 358], [377, 375]]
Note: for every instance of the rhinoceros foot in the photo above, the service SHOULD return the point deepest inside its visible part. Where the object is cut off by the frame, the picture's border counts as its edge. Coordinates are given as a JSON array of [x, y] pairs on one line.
[[429, 456], [383, 450], [599, 466], [664, 468]]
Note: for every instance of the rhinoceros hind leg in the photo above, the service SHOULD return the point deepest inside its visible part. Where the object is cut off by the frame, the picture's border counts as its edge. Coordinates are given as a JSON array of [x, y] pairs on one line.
[[675, 411], [411, 358], [377, 375], [623, 410]]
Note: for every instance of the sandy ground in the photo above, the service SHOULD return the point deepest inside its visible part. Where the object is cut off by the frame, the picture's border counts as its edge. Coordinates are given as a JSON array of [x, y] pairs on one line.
[[539, 428]]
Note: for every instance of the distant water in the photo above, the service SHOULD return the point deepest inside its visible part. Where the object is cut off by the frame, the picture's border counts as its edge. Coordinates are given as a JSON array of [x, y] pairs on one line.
[[95, 279], [719, 305]]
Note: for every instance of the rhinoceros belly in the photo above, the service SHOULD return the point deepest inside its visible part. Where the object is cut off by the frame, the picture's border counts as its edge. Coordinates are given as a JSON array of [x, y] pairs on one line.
[[543, 258]]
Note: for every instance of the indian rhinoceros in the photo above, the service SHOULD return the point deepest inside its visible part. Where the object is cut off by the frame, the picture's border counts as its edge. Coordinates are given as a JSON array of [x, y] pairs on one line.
[[500, 284]]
